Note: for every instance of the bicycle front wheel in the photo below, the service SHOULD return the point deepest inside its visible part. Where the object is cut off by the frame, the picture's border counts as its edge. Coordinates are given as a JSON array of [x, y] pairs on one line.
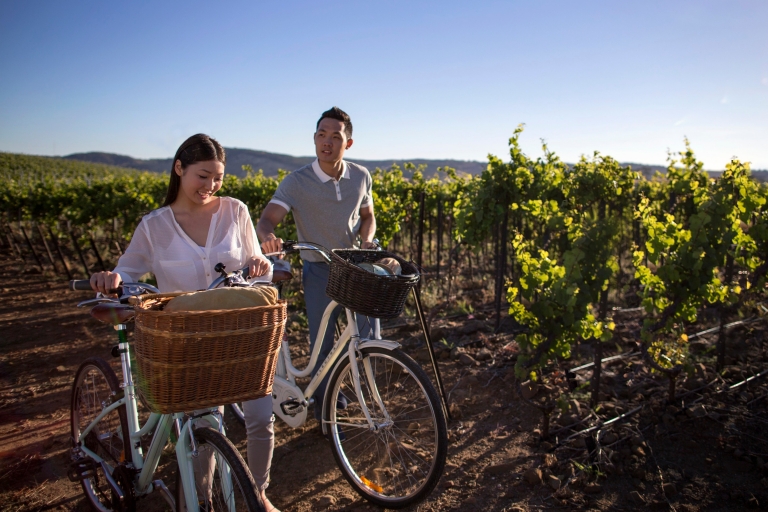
[[94, 388], [222, 479], [400, 461]]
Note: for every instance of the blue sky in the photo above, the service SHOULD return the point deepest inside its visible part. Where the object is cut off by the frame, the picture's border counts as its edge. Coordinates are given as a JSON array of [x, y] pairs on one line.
[[420, 79]]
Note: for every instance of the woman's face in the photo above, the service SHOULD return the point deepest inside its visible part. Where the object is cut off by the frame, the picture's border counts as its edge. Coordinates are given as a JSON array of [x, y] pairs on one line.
[[200, 181]]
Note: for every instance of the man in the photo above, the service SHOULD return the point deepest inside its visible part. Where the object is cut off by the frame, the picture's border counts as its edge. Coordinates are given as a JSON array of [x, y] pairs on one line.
[[332, 204]]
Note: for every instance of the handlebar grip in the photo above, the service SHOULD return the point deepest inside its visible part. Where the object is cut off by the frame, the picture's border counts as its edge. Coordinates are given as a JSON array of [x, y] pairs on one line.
[[83, 285]]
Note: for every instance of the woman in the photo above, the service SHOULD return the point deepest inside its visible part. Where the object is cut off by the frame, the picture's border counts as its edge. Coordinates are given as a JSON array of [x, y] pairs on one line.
[[180, 244]]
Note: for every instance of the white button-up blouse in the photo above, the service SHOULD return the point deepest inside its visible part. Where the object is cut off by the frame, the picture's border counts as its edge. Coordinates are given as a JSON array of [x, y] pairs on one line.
[[160, 246]]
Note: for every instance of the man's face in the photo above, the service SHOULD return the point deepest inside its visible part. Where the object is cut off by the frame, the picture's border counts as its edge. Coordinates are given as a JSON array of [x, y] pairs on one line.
[[330, 141]]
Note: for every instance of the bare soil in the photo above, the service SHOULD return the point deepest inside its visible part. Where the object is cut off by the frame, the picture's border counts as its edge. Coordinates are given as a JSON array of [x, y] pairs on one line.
[[708, 450]]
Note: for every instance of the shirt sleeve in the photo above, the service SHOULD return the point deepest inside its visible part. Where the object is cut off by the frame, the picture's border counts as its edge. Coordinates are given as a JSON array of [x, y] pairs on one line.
[[137, 258], [368, 195], [283, 194], [247, 232]]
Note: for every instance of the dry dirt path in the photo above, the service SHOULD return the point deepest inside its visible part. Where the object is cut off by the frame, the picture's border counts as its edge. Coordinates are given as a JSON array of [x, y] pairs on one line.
[[663, 458]]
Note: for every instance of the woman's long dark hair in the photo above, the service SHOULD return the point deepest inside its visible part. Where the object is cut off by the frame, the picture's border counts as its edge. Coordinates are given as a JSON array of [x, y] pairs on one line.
[[197, 148]]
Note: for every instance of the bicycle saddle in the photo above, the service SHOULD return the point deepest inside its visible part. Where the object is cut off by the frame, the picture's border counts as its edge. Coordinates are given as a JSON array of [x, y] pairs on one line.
[[111, 313], [281, 271]]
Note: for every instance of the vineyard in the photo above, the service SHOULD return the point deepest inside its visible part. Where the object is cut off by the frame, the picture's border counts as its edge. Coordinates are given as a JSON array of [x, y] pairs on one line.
[[590, 284]]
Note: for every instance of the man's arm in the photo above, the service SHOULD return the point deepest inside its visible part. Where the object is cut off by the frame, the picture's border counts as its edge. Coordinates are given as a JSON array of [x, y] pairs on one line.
[[367, 227], [272, 215]]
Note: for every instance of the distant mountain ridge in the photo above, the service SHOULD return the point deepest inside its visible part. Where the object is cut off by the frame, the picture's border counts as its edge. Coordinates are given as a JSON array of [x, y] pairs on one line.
[[271, 162]]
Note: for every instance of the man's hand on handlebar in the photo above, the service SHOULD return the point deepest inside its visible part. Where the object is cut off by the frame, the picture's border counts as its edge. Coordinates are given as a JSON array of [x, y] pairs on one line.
[[105, 282], [369, 245], [271, 245], [258, 266]]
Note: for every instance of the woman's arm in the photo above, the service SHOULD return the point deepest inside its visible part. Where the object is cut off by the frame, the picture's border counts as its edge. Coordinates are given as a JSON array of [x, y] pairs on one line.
[[134, 263], [258, 265]]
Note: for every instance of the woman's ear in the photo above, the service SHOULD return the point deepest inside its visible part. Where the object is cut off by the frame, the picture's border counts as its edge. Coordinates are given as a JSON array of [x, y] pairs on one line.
[[177, 167]]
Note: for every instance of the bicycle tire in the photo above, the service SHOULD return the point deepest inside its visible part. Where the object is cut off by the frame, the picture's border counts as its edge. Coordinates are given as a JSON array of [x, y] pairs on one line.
[[94, 386], [247, 496], [237, 412], [400, 463]]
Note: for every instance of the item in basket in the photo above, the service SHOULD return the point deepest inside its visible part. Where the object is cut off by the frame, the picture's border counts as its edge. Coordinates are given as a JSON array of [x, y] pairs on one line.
[[374, 268], [224, 298], [392, 265]]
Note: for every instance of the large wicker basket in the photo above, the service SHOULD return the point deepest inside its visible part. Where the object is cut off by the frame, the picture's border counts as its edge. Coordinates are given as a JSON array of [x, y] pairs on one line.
[[198, 359], [378, 296]]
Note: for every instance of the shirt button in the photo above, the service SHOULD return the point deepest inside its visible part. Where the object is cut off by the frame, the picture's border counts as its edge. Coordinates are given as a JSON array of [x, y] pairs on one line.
[[203, 257], [208, 275]]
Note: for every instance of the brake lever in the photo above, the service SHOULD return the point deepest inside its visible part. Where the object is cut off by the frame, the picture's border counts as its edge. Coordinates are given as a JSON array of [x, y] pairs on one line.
[[97, 300]]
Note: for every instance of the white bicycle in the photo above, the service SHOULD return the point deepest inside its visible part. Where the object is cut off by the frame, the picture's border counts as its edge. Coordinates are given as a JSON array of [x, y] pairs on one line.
[[108, 458], [381, 413]]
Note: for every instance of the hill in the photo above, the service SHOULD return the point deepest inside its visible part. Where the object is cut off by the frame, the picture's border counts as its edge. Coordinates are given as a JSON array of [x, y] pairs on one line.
[[268, 162], [28, 168]]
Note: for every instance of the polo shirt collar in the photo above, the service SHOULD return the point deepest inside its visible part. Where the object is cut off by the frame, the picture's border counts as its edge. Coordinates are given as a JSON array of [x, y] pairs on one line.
[[324, 177]]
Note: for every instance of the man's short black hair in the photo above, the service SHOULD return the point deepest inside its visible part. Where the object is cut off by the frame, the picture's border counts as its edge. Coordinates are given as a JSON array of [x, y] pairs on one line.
[[339, 115]]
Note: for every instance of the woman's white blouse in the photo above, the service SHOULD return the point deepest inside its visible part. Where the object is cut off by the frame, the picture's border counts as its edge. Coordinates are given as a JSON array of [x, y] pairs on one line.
[[160, 246]]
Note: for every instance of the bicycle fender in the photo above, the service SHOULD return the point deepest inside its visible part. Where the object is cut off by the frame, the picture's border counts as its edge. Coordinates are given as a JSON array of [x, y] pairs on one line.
[[385, 344]]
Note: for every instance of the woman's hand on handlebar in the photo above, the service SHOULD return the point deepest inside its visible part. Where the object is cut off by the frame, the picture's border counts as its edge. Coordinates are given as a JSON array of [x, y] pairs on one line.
[[258, 266], [271, 245], [105, 282]]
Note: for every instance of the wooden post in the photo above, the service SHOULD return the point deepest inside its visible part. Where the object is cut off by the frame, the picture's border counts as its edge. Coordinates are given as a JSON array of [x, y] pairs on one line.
[[31, 248], [597, 367], [55, 241], [45, 243], [12, 241], [724, 315], [597, 370], [77, 248], [96, 252], [439, 234], [502, 264], [420, 239]]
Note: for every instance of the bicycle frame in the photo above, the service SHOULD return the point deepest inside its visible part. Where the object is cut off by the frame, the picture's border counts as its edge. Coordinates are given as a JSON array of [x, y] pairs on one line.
[[161, 424], [286, 374]]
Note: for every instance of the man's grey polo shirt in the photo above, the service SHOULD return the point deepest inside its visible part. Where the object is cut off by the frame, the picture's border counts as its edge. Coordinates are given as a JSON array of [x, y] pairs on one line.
[[326, 211]]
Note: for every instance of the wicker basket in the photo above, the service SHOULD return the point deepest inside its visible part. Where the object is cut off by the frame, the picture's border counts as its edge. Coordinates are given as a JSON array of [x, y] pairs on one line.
[[367, 293], [199, 359]]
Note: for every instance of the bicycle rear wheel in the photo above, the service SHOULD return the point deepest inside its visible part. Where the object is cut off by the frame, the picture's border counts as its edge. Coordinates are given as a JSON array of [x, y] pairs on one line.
[[94, 387], [222, 479], [400, 462]]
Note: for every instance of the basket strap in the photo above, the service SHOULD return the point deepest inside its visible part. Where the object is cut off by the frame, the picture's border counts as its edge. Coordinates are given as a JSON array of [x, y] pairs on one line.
[[215, 334], [203, 364]]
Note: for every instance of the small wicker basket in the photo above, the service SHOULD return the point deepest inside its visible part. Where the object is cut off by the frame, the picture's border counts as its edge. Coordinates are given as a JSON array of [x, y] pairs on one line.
[[378, 296], [199, 359]]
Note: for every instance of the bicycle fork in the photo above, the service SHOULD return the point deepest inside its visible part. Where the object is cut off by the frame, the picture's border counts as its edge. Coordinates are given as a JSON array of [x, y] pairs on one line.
[[188, 453], [355, 354]]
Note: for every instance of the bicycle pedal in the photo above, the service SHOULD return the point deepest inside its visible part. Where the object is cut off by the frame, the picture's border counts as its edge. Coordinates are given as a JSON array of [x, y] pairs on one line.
[[81, 469], [292, 407]]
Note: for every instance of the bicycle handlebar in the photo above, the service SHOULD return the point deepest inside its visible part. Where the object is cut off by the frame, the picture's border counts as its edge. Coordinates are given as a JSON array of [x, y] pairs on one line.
[[123, 289], [83, 285], [291, 246]]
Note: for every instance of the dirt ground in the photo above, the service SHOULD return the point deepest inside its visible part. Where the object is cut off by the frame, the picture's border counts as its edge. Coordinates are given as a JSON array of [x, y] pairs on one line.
[[706, 451]]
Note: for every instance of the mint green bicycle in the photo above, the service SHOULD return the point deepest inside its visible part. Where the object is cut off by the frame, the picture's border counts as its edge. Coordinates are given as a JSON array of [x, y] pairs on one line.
[[108, 457]]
